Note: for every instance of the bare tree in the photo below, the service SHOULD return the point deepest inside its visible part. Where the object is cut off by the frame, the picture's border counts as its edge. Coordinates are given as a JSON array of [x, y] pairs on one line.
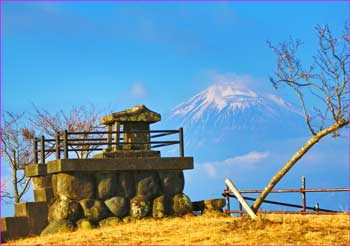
[[18, 133], [17, 149], [322, 90], [79, 119]]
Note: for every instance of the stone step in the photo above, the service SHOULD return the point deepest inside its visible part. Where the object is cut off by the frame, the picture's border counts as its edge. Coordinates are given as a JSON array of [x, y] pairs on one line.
[[37, 214], [14, 228], [30, 208]]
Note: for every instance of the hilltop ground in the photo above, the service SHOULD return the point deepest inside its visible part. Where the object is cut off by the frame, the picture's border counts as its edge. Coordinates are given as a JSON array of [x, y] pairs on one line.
[[213, 229]]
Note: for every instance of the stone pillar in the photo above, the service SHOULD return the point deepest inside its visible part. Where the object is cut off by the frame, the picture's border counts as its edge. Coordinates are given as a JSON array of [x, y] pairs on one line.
[[132, 140], [109, 138]]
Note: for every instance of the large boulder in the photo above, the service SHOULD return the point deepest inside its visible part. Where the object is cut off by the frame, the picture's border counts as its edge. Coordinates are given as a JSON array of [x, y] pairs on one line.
[[118, 205], [75, 185], [161, 207], [148, 184], [173, 182], [106, 185], [64, 208], [94, 210], [58, 226], [140, 207], [126, 185], [214, 204], [181, 204]]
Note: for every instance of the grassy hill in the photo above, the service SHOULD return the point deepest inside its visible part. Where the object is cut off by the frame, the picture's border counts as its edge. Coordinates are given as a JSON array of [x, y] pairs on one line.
[[212, 229]]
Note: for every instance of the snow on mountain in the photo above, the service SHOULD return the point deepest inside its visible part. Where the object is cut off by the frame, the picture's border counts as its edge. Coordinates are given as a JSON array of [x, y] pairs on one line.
[[224, 104], [224, 118]]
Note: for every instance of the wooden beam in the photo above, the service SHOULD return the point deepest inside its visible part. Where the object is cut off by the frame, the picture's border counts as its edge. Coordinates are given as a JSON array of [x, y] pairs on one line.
[[235, 191]]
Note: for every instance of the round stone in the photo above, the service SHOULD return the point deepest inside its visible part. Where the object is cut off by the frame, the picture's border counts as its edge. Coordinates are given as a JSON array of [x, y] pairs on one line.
[[64, 208], [214, 204], [126, 184], [94, 210], [140, 207], [75, 186], [173, 182], [161, 207], [106, 185], [148, 184], [181, 204], [118, 205]]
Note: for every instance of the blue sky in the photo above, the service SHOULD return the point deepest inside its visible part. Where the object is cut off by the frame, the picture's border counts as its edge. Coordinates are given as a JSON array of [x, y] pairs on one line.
[[118, 54]]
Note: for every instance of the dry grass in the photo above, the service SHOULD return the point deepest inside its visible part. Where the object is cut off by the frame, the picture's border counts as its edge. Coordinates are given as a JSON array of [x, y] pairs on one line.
[[213, 229]]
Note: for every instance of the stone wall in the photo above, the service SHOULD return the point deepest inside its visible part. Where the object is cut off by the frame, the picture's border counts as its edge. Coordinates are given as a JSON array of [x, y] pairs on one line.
[[93, 197]]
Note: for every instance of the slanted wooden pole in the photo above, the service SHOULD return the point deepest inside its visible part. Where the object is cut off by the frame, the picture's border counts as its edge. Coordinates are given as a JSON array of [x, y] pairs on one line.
[[239, 197], [42, 149], [228, 198]]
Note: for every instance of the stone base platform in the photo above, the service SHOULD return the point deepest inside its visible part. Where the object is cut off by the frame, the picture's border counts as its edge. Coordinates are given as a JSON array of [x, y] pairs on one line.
[[120, 164]]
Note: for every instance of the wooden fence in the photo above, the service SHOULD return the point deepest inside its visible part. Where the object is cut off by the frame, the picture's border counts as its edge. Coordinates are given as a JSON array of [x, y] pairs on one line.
[[65, 142], [304, 209]]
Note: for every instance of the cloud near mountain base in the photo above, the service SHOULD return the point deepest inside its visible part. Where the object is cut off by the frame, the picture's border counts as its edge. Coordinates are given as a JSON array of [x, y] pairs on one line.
[[248, 160]]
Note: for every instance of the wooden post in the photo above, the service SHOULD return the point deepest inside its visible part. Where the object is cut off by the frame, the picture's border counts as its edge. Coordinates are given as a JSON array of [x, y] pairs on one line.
[[181, 140], [109, 137], [65, 144], [58, 151], [116, 135], [228, 199], [303, 194], [240, 209], [35, 150], [42, 149], [240, 198]]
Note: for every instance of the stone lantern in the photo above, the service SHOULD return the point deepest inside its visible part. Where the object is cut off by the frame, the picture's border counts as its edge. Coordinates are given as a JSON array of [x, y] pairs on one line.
[[135, 125]]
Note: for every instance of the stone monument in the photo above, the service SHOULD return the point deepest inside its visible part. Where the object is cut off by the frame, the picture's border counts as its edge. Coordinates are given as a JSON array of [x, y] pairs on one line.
[[126, 181]]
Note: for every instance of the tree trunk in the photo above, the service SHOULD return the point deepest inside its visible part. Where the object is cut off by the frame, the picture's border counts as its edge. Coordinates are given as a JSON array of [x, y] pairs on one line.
[[14, 183], [300, 153]]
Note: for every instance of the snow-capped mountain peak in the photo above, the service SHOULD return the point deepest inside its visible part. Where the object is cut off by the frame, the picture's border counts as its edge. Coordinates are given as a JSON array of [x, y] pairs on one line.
[[226, 102], [234, 119], [216, 96]]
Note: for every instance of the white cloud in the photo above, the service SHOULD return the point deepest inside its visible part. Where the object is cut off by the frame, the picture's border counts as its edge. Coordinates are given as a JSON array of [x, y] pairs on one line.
[[210, 170], [241, 81], [250, 158], [138, 90], [247, 160]]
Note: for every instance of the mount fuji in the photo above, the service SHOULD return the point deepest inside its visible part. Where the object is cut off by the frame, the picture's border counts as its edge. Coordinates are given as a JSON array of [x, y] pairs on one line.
[[223, 119], [248, 135]]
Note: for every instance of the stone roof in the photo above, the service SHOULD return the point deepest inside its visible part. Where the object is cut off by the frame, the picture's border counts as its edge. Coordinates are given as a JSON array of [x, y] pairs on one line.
[[138, 113]]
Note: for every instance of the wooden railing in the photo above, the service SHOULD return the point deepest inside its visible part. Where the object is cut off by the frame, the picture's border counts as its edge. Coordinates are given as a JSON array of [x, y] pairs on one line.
[[303, 190], [87, 142]]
